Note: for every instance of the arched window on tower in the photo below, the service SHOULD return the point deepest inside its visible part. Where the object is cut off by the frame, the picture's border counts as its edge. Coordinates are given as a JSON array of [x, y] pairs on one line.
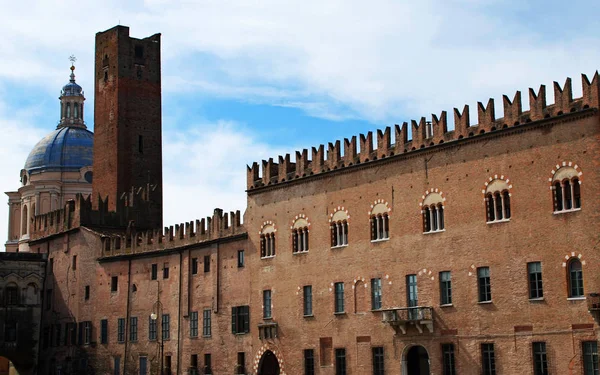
[[380, 222], [76, 110], [339, 228], [68, 110], [433, 213], [267, 241], [497, 198], [566, 190], [300, 235], [575, 278]]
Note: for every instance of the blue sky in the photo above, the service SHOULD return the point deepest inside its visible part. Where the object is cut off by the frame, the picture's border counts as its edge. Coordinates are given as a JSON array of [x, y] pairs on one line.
[[249, 80]]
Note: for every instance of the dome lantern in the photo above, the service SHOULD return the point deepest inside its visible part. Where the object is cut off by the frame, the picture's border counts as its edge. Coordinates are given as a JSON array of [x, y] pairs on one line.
[[71, 102]]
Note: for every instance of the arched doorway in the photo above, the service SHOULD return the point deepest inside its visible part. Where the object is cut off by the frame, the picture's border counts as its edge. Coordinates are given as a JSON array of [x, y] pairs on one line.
[[415, 361], [268, 364]]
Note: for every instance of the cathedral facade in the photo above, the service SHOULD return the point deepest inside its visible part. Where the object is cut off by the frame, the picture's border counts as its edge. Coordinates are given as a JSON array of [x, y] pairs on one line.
[[465, 251]]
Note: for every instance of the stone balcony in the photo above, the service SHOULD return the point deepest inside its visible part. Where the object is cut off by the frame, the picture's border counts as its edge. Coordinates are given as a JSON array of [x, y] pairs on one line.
[[401, 317]]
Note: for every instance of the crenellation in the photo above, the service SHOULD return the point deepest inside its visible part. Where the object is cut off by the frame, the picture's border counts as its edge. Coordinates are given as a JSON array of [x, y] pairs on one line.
[[401, 137], [366, 147], [419, 133], [334, 154], [350, 154], [440, 127], [537, 103], [427, 134], [563, 97], [486, 116], [462, 122], [302, 163], [384, 142], [513, 110], [591, 91]]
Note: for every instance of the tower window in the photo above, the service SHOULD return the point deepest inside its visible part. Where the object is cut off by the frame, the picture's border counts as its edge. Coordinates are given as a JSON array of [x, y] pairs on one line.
[[139, 52]]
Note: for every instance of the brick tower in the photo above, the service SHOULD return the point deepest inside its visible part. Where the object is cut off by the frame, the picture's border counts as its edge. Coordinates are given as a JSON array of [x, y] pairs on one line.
[[127, 121]]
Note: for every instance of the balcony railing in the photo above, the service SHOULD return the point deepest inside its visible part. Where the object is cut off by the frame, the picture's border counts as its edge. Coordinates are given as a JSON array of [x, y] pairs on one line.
[[267, 330], [400, 317], [593, 301]]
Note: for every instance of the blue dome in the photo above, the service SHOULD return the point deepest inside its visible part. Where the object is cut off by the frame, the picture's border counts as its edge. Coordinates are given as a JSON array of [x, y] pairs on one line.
[[66, 148]]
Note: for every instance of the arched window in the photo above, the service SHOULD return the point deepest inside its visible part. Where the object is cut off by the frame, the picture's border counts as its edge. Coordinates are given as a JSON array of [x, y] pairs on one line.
[[267, 240], [575, 278], [497, 198], [76, 110], [339, 228], [31, 294], [11, 294], [68, 110], [24, 221], [380, 222], [566, 190], [300, 235], [433, 212]]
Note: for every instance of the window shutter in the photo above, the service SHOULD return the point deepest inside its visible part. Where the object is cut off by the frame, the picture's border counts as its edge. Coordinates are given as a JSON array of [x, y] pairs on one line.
[[373, 228], [233, 319], [80, 338]]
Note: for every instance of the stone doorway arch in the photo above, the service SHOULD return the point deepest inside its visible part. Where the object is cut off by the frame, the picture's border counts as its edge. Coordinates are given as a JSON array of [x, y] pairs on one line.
[[415, 361], [268, 365]]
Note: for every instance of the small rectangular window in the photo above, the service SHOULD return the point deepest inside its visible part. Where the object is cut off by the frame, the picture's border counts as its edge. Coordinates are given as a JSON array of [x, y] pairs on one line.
[[540, 359], [590, 357], [114, 283], [194, 324], [143, 365], [194, 361], [207, 364], [207, 263], [267, 304], [151, 329], [133, 328], [309, 362], [206, 323], [445, 288], [139, 52], [535, 280], [339, 297], [104, 331], [117, 366], [378, 361], [87, 292], [154, 272], [307, 292], [340, 361], [240, 262], [74, 265], [240, 319], [376, 294], [449, 364], [121, 330], [483, 280], [166, 327], [241, 363], [194, 266], [168, 364], [488, 359], [165, 270]]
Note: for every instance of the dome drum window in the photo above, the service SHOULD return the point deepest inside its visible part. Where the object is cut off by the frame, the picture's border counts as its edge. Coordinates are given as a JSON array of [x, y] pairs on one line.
[[566, 190]]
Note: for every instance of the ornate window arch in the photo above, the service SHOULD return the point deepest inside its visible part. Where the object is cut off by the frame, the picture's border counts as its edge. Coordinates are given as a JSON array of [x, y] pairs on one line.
[[432, 209], [497, 199], [267, 239], [575, 277], [379, 217], [11, 294], [565, 185], [338, 222], [299, 228]]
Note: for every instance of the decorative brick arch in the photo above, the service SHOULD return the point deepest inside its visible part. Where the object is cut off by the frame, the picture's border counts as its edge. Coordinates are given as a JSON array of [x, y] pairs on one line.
[[491, 180], [265, 226], [572, 255], [340, 210], [378, 207], [431, 192], [268, 346], [565, 165], [426, 273], [300, 218]]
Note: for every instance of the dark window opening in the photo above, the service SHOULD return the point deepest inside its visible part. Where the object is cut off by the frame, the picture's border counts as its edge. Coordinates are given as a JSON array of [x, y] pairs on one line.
[[166, 271], [485, 288], [241, 363], [139, 52], [378, 361], [207, 263], [309, 362], [340, 361], [141, 144], [240, 319], [114, 283], [241, 261], [87, 292], [154, 272], [194, 266]]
